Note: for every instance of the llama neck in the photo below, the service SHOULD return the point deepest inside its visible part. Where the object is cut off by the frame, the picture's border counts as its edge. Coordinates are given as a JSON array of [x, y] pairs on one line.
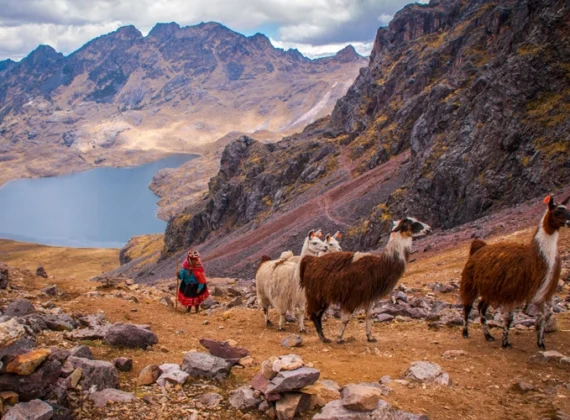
[[546, 245], [399, 247], [306, 251]]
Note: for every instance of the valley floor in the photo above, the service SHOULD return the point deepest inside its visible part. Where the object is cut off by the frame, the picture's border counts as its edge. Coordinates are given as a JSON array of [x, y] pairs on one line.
[[482, 378]]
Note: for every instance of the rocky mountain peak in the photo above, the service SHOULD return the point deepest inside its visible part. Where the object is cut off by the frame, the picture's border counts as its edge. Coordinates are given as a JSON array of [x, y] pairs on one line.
[[347, 55], [163, 31], [129, 32], [261, 41]]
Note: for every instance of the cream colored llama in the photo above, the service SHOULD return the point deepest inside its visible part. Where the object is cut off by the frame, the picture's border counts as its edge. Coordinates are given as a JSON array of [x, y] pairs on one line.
[[277, 282]]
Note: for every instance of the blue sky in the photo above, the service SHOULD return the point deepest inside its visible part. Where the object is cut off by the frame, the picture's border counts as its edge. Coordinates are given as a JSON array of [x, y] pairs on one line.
[[315, 27]]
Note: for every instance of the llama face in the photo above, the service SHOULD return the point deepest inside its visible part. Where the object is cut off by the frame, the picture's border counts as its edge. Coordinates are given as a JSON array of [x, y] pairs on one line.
[[558, 215], [410, 227], [332, 242], [314, 244]]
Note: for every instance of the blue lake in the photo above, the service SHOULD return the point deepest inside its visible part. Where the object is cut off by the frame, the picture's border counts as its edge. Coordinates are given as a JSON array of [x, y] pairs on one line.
[[99, 208]]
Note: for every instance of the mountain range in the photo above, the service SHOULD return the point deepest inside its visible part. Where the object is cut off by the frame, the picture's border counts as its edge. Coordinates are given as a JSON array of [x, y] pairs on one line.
[[124, 97]]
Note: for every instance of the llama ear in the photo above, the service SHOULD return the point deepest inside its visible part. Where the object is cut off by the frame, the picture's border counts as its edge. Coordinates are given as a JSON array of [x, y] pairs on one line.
[[397, 227], [311, 234], [328, 238], [338, 235], [551, 202]]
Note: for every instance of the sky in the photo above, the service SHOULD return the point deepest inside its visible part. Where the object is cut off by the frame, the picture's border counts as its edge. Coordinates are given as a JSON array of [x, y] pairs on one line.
[[314, 27]]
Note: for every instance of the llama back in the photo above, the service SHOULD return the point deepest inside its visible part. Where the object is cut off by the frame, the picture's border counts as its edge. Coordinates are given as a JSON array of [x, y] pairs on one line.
[[476, 245]]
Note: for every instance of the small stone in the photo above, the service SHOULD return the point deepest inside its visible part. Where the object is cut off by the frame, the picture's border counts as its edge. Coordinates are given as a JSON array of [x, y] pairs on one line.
[[102, 398], [4, 276], [124, 364], [209, 400], [200, 365], [9, 397], [360, 397], [19, 307], [322, 392], [288, 362], [75, 377], [33, 410], [523, 387], [129, 335], [148, 375], [385, 379], [224, 349], [41, 272], [171, 373], [427, 372], [292, 380], [545, 357], [96, 372], [166, 301], [49, 290], [452, 354], [292, 341], [82, 351], [226, 315], [26, 364], [267, 368], [243, 398], [246, 361], [291, 404], [384, 318]]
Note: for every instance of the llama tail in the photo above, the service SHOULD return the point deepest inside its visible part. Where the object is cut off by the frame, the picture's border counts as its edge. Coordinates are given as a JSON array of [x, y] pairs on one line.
[[264, 259], [285, 255], [302, 266], [476, 245]]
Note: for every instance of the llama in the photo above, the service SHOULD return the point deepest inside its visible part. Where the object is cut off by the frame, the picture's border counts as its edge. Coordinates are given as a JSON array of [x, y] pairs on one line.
[[277, 283], [355, 280], [509, 275], [332, 242]]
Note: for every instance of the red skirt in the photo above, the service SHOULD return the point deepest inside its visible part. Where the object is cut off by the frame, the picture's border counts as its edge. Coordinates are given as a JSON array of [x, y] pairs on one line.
[[192, 299]]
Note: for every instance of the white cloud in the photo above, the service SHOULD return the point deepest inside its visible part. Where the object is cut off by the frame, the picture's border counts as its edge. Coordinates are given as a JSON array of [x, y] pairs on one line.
[[68, 24], [317, 51]]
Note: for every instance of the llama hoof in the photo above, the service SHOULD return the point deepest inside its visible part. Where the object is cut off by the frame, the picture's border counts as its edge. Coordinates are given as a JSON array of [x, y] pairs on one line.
[[269, 324], [372, 340], [340, 341], [541, 346], [303, 331], [281, 329], [507, 345], [465, 334], [326, 340], [489, 337]]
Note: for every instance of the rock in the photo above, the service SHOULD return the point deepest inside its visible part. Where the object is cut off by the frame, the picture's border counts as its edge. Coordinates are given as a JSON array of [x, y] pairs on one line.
[[551, 325], [322, 392], [33, 410], [208, 303], [49, 290], [260, 383], [4, 276], [93, 321], [452, 354], [82, 351], [288, 362], [148, 375], [36, 385], [75, 377], [129, 335], [101, 398], [360, 397], [224, 350], [19, 307], [96, 372], [291, 380], [523, 387], [292, 341], [243, 398], [267, 368], [291, 404], [237, 301], [427, 372], [335, 411], [60, 322], [546, 357], [41, 272], [233, 292], [61, 413], [203, 365], [246, 361], [10, 332], [124, 364], [166, 301], [88, 334], [171, 372], [384, 318], [9, 398], [564, 362], [26, 364], [209, 400]]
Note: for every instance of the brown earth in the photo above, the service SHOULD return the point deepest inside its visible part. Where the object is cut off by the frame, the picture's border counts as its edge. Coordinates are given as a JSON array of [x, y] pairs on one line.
[[482, 379]]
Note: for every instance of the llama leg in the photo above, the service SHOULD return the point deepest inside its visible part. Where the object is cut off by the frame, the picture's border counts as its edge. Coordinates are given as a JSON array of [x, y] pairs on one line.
[[301, 317], [317, 320], [543, 316], [281, 321], [466, 312], [345, 318], [483, 306], [368, 315], [266, 314], [508, 322]]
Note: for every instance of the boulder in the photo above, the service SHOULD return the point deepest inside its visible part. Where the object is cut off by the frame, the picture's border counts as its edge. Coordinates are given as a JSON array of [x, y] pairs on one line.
[[360, 397], [129, 335], [4, 276], [292, 380], [427, 372], [124, 364], [101, 398], [243, 398], [33, 410], [19, 307], [100, 373], [82, 351], [171, 372], [209, 400], [224, 350], [36, 385], [291, 404], [203, 365], [148, 375], [292, 341], [41, 272], [26, 364]]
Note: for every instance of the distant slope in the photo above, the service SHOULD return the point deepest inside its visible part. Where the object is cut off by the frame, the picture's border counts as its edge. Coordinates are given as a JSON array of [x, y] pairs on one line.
[[175, 90], [477, 91]]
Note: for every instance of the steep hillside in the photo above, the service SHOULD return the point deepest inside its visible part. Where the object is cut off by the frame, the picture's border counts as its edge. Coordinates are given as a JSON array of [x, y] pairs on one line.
[[476, 91], [175, 90]]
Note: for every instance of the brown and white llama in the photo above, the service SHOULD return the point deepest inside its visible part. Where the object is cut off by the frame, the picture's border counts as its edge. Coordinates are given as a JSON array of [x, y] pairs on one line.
[[356, 280], [277, 283], [509, 275]]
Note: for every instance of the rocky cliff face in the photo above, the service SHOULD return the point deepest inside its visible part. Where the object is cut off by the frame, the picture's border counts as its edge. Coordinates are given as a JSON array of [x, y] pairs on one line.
[[476, 91], [175, 90]]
